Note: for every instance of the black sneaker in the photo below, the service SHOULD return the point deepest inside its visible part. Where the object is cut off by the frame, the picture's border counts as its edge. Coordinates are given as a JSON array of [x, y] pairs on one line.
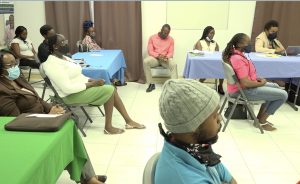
[[150, 88]]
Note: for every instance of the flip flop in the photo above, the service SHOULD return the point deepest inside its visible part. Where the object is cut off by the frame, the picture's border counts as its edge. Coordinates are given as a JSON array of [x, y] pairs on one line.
[[120, 131], [135, 127]]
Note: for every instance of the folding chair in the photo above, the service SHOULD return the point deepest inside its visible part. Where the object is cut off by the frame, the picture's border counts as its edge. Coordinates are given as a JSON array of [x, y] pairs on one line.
[[149, 171], [58, 100], [240, 99]]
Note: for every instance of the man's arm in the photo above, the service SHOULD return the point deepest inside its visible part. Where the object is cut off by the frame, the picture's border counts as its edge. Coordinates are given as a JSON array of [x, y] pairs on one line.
[[171, 50], [151, 51]]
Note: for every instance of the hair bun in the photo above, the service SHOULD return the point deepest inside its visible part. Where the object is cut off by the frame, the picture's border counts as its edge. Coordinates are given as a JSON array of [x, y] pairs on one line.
[[87, 24]]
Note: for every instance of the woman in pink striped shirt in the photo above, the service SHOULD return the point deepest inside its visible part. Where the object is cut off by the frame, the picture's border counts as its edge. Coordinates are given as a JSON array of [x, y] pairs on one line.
[[253, 87], [89, 35]]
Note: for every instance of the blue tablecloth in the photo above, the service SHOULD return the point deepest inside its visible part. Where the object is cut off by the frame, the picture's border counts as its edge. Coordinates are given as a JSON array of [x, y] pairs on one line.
[[104, 64], [210, 66]]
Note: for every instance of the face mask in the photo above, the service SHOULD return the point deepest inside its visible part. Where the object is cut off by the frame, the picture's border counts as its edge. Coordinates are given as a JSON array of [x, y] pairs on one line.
[[163, 36], [13, 73], [248, 49], [208, 39], [272, 36], [64, 49]]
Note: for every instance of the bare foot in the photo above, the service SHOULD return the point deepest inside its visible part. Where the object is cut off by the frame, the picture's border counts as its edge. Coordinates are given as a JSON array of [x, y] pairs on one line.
[[94, 180]]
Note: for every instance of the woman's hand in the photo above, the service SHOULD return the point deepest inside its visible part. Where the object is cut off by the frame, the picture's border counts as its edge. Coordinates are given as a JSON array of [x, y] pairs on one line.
[[261, 81], [57, 110]]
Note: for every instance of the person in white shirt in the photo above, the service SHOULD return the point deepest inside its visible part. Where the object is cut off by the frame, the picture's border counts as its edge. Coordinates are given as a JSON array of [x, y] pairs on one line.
[[75, 88], [206, 43], [23, 49], [9, 32]]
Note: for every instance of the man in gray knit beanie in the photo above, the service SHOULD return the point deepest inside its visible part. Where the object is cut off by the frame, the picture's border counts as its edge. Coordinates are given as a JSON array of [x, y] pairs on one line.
[[186, 104], [190, 113]]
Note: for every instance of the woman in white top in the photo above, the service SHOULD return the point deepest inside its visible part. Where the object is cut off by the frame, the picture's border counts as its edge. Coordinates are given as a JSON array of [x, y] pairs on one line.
[[206, 43], [23, 49], [75, 88]]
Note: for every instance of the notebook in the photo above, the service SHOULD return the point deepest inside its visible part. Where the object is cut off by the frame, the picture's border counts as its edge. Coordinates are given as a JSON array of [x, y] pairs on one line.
[[37, 122]]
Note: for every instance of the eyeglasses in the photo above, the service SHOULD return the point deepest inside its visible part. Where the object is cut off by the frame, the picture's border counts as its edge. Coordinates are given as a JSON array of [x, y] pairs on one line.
[[16, 63]]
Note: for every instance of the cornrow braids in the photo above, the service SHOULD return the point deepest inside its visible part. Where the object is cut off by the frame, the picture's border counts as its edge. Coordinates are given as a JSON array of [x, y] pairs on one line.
[[228, 51]]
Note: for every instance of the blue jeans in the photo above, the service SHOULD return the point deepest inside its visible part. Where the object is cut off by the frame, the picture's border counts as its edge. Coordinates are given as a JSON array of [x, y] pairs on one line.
[[270, 92]]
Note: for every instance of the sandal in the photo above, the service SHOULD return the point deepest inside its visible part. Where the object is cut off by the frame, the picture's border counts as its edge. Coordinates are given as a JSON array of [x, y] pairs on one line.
[[120, 131], [135, 127], [267, 126]]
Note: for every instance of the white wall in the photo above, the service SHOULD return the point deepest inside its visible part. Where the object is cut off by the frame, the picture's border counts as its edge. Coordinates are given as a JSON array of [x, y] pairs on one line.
[[154, 15], [31, 14]]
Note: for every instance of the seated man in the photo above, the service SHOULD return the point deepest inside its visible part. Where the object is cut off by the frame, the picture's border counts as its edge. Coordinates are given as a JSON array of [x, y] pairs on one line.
[[190, 113], [43, 52], [18, 96], [160, 50]]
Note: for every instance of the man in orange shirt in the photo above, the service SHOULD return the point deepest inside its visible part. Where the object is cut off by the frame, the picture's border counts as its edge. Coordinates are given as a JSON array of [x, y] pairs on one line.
[[160, 51]]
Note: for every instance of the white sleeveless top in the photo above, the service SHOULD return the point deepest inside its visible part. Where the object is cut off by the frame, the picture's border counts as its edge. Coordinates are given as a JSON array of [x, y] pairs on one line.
[[205, 47]]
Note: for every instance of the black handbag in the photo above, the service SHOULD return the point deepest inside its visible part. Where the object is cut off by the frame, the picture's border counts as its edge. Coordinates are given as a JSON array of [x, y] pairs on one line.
[[240, 111]]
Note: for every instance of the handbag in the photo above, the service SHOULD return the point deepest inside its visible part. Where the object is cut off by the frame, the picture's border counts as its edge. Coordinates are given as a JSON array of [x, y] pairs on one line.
[[240, 111], [29, 122]]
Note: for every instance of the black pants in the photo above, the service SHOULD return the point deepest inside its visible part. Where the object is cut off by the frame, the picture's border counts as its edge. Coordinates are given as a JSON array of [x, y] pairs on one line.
[[30, 63]]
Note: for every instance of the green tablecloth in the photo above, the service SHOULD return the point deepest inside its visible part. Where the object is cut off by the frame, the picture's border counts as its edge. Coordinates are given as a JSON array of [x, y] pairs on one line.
[[40, 158]]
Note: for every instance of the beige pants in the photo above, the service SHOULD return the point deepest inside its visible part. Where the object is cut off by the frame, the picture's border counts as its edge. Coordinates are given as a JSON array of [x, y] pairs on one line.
[[151, 62]]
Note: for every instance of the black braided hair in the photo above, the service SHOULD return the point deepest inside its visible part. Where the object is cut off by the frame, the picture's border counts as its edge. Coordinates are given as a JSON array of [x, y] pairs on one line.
[[228, 51], [51, 42], [19, 30], [206, 32]]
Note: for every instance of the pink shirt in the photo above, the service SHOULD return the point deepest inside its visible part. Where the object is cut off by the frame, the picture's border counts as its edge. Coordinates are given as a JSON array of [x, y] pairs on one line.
[[242, 68], [91, 43], [157, 46]]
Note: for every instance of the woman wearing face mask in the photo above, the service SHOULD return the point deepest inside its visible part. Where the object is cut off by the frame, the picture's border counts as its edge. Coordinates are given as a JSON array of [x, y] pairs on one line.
[[23, 49], [75, 88], [206, 43], [267, 42], [253, 87], [89, 34], [190, 113], [16, 94]]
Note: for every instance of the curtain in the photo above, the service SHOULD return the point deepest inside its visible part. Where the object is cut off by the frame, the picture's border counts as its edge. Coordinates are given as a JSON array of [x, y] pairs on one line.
[[67, 18], [286, 13], [118, 25]]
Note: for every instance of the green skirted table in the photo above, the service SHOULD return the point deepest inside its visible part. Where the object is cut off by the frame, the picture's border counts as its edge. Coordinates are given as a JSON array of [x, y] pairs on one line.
[[40, 157]]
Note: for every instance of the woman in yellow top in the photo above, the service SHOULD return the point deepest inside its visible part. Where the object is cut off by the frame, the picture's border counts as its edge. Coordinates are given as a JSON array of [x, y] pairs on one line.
[[267, 42], [206, 43]]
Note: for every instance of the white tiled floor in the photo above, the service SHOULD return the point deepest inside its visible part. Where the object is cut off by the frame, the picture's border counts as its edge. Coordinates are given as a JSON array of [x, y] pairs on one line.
[[273, 157]]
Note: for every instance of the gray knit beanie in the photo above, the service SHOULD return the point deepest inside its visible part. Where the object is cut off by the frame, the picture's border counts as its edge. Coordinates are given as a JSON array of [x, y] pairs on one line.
[[185, 104]]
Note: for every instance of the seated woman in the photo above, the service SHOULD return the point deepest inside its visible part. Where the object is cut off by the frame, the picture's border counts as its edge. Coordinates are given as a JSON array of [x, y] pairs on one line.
[[75, 88], [267, 42], [18, 96], [206, 43], [253, 87], [23, 49], [89, 34]]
